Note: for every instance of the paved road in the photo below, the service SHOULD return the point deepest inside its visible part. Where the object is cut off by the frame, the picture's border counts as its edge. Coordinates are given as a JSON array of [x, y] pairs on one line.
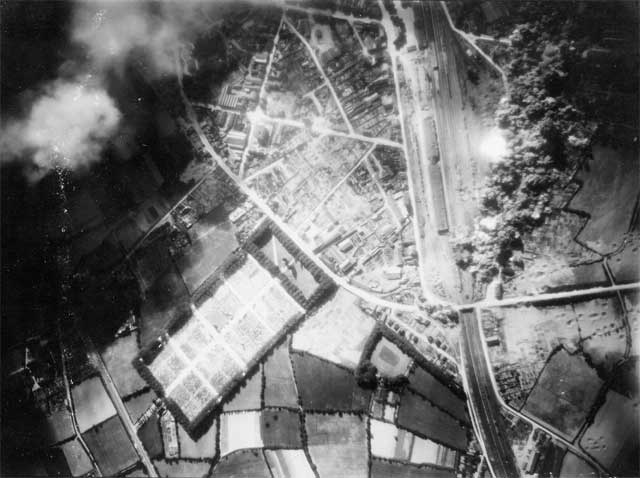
[[574, 294], [483, 400], [129, 426], [324, 75]]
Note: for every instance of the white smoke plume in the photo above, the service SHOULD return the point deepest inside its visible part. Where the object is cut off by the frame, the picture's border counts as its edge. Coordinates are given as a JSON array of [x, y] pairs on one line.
[[67, 126], [111, 30], [71, 120]]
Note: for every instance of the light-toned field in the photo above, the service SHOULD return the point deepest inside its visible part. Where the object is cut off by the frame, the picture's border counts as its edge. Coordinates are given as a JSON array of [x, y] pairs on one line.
[[389, 359], [337, 331], [602, 330], [288, 464], [384, 437], [181, 469], [389, 441], [118, 358], [244, 464], [58, 426], [204, 447], [76, 457], [424, 451], [612, 439], [240, 430], [92, 403]]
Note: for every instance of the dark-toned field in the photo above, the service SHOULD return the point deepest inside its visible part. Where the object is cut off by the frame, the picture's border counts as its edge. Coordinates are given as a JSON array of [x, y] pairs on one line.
[[564, 393], [151, 437], [427, 385], [111, 446], [280, 429], [325, 386], [419, 416]]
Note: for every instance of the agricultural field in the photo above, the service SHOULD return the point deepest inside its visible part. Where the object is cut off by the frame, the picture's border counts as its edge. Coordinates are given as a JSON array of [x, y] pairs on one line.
[[202, 448], [425, 384], [393, 443], [288, 464], [206, 254], [92, 403], [280, 428], [325, 386], [624, 264], [202, 360], [247, 396], [231, 423], [389, 359], [419, 416], [523, 337], [167, 299], [337, 331], [389, 469], [137, 405], [602, 330], [575, 467], [118, 358], [58, 426], [111, 446], [77, 459], [608, 194], [181, 469], [338, 445], [280, 388], [564, 393], [151, 437], [244, 464], [612, 439]]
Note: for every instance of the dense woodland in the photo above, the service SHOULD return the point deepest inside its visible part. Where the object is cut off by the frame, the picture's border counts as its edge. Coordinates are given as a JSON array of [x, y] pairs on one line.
[[558, 67]]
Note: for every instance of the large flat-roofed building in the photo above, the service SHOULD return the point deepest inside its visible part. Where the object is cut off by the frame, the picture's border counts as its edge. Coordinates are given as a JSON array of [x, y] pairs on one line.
[[226, 335]]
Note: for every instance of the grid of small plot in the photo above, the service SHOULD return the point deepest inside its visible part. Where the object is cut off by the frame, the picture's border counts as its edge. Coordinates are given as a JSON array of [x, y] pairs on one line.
[[249, 309]]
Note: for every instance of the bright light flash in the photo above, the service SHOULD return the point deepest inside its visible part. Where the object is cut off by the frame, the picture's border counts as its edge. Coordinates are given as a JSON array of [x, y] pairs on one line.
[[494, 146]]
